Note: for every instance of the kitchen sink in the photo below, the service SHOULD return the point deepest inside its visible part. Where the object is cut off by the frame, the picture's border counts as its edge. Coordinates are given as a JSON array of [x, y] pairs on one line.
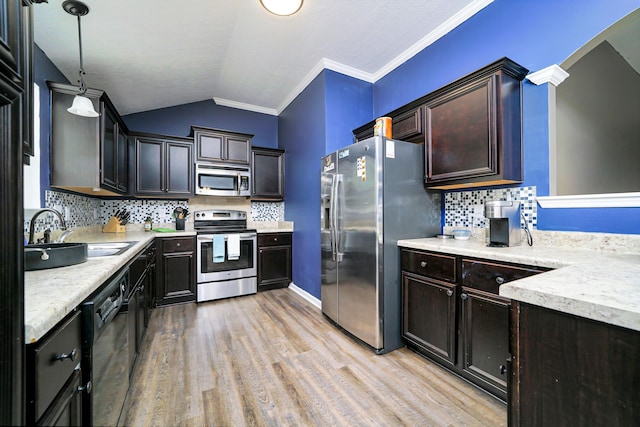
[[53, 255], [108, 248]]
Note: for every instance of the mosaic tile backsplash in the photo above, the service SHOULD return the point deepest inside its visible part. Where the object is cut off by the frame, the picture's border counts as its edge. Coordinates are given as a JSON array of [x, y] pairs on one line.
[[82, 211], [466, 208]]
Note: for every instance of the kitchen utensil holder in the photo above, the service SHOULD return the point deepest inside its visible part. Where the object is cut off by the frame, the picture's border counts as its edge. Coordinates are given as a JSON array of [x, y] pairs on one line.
[[113, 226], [179, 223]]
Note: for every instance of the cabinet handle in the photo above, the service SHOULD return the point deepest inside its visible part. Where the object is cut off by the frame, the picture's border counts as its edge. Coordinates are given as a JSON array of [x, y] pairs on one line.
[[500, 280], [275, 239], [423, 264], [178, 244], [449, 292], [503, 369], [71, 356], [86, 388], [464, 297]]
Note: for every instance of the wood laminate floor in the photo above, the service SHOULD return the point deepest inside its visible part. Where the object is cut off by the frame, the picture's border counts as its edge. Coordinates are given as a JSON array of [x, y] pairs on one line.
[[273, 359]]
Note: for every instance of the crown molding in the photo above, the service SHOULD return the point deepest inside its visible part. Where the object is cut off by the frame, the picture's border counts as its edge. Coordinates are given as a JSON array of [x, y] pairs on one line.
[[553, 74], [448, 25], [328, 64], [243, 106], [614, 200]]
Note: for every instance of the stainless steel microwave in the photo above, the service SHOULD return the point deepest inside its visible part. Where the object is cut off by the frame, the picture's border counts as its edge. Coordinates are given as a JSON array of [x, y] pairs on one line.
[[223, 180]]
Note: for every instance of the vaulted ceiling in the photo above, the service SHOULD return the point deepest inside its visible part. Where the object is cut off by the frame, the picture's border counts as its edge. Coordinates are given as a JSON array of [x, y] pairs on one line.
[[150, 54]]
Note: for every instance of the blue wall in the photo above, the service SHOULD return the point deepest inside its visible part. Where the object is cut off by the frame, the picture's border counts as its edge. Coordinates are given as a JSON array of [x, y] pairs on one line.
[[177, 121], [535, 34], [318, 121], [303, 135]]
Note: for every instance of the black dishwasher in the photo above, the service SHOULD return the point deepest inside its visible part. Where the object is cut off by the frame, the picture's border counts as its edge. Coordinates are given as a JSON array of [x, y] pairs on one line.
[[105, 352]]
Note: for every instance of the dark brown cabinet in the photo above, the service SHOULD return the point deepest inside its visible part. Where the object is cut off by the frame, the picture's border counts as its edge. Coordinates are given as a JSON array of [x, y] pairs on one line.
[[471, 128], [88, 155], [267, 174], [163, 166], [474, 129], [429, 316], [175, 270], [567, 370], [453, 314], [274, 260], [53, 387], [214, 145]]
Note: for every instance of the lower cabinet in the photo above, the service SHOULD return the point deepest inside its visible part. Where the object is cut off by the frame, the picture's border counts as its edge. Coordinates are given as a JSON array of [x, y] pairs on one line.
[[571, 371], [274, 260], [452, 313], [53, 383], [175, 270]]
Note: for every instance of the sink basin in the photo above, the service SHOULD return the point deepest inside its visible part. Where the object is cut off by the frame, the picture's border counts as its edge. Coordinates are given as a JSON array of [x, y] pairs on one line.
[[108, 248], [52, 255]]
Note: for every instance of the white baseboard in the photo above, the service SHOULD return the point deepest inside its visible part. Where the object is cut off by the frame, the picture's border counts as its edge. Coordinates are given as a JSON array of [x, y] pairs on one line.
[[306, 295]]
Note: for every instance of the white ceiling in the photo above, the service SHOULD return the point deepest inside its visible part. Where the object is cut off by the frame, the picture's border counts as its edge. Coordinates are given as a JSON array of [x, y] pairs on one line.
[[149, 54]]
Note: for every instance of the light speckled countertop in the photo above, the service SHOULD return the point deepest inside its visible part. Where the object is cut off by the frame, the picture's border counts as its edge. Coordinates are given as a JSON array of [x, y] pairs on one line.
[[50, 295], [596, 284]]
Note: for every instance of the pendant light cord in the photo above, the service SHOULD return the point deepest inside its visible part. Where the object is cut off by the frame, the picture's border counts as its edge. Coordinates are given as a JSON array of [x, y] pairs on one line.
[[83, 87]]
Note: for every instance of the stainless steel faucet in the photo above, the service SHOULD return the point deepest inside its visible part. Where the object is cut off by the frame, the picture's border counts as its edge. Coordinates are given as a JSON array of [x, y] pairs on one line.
[[32, 226]]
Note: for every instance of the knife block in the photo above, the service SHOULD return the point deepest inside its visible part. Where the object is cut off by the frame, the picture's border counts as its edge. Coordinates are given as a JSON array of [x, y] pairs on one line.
[[113, 226]]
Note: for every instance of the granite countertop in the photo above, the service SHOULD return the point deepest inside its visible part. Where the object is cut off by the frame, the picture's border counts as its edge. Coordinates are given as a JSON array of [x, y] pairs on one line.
[[52, 294], [271, 226], [595, 284]]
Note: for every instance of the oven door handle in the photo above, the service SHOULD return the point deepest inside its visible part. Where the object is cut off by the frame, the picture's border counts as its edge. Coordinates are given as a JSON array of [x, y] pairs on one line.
[[209, 237]]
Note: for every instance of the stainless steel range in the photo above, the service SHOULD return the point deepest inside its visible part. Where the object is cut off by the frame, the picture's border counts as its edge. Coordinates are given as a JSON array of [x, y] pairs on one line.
[[227, 255]]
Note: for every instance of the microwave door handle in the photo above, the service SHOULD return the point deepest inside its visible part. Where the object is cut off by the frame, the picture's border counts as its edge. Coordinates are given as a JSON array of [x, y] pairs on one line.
[[239, 183]]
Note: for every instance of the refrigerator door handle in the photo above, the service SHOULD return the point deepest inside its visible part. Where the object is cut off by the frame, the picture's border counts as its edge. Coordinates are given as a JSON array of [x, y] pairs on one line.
[[332, 217], [338, 234]]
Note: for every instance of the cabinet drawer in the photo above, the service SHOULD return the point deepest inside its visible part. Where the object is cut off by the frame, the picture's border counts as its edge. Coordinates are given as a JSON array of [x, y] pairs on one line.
[[274, 239], [441, 267], [52, 368], [488, 276], [181, 244]]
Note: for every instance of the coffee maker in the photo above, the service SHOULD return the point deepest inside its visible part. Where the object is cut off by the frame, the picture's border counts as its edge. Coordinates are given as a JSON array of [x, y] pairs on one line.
[[504, 223]]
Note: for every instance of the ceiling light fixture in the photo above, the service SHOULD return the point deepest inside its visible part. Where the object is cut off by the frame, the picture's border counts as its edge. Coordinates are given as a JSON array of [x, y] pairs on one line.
[[282, 7], [82, 106]]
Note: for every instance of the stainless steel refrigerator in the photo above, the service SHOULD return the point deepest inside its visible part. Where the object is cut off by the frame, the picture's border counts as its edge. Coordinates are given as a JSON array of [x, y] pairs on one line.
[[372, 195]]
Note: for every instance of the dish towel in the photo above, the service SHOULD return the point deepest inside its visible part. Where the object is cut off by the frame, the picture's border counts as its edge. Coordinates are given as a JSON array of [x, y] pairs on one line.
[[218, 248], [233, 246]]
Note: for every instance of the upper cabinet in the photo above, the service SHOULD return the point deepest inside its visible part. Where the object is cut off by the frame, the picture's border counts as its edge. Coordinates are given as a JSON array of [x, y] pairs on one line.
[[267, 174], [214, 145], [163, 166], [471, 129], [474, 129], [88, 155]]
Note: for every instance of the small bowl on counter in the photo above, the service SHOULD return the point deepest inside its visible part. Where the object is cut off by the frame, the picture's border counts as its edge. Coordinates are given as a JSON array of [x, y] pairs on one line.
[[462, 234]]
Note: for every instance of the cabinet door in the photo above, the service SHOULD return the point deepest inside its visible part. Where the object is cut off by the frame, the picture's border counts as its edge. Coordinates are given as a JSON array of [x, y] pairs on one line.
[[267, 174], [238, 150], [461, 133], [429, 316], [485, 338], [149, 166], [209, 147], [179, 169], [274, 266], [109, 150], [66, 410], [122, 159], [408, 126]]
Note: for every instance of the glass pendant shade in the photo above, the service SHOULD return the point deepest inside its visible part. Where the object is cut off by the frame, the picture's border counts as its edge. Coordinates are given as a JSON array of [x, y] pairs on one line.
[[282, 7], [82, 106]]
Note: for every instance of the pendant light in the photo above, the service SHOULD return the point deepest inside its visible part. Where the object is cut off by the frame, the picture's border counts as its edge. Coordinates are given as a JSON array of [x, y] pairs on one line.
[[82, 106], [282, 7]]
